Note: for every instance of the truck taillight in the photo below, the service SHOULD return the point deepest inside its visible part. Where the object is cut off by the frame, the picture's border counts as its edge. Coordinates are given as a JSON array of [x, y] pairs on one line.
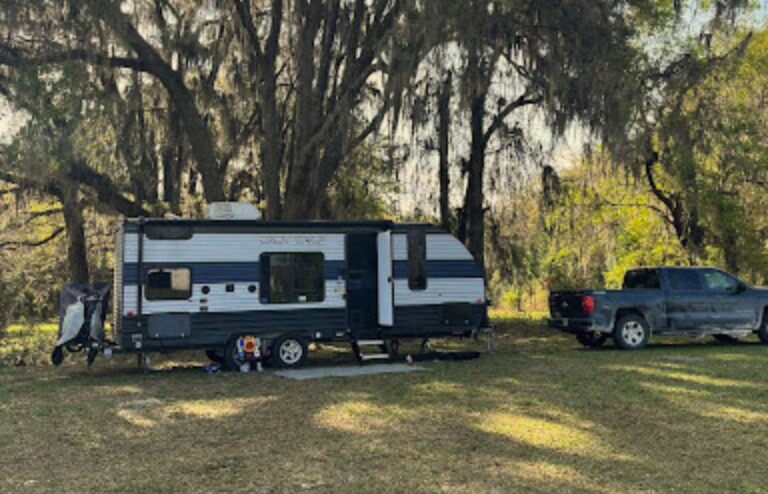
[[588, 303]]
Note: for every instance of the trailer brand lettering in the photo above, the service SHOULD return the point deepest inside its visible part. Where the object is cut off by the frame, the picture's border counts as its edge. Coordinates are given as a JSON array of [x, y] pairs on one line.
[[294, 240]]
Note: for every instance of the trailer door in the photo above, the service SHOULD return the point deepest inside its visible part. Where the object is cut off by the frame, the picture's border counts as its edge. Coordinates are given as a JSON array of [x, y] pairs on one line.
[[362, 282]]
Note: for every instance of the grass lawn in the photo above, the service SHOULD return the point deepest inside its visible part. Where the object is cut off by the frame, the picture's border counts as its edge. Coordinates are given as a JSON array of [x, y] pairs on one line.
[[540, 414]]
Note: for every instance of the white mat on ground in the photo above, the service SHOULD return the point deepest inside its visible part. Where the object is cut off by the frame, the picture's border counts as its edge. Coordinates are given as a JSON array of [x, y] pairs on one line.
[[347, 371]]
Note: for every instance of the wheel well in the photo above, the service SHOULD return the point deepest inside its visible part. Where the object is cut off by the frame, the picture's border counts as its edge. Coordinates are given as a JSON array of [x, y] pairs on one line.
[[628, 311], [764, 317]]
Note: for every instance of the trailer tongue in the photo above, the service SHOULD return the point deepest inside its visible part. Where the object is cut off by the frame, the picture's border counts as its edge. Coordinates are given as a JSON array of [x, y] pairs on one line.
[[82, 311]]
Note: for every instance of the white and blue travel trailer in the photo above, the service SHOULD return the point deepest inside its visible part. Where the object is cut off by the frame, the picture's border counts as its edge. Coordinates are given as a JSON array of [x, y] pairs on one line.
[[213, 284]]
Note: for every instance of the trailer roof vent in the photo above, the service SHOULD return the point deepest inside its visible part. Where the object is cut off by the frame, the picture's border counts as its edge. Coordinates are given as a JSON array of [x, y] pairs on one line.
[[232, 211]]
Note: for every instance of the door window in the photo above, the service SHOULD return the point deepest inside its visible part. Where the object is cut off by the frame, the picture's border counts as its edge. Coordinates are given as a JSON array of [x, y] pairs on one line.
[[168, 284], [684, 280], [417, 260], [289, 278], [719, 281]]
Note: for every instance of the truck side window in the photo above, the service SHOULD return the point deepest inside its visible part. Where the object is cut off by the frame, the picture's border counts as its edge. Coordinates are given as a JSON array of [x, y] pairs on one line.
[[292, 277], [417, 260], [168, 284], [684, 280], [719, 281], [642, 279]]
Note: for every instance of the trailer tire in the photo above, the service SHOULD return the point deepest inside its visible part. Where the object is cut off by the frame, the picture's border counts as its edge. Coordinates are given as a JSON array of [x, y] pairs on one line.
[[631, 332], [592, 339], [230, 351], [215, 355], [288, 352]]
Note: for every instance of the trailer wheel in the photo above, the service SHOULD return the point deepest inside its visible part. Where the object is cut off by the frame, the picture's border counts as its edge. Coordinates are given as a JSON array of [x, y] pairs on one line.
[[592, 339], [231, 360], [631, 332], [289, 351], [215, 355]]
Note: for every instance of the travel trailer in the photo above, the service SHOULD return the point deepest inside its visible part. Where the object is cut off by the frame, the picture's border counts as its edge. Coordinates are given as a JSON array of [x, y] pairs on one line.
[[230, 285]]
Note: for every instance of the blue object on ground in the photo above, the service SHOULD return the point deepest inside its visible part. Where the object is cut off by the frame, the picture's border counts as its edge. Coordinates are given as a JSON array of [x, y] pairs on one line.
[[211, 368]]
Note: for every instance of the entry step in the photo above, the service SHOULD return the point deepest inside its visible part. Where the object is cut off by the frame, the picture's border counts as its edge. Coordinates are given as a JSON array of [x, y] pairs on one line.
[[374, 356], [369, 342]]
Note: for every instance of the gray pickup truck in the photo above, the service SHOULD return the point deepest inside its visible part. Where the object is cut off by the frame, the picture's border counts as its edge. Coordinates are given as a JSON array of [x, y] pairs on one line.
[[696, 301]]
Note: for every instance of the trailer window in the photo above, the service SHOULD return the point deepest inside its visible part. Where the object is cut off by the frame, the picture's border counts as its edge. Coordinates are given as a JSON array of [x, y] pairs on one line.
[[289, 278], [168, 284], [417, 260], [168, 232]]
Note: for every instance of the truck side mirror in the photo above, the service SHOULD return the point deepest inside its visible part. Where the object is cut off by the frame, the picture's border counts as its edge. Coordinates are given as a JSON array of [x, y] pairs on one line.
[[738, 288]]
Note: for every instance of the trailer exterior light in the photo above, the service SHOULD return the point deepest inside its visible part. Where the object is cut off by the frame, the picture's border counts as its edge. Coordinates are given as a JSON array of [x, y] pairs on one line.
[[129, 313], [588, 303]]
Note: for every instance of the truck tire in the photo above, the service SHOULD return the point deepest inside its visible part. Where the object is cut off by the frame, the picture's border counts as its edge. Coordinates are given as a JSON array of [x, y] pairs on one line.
[[288, 352], [592, 339], [762, 333], [631, 332]]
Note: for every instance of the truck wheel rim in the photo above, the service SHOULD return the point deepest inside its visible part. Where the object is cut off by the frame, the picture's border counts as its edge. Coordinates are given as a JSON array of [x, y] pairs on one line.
[[632, 332], [291, 351]]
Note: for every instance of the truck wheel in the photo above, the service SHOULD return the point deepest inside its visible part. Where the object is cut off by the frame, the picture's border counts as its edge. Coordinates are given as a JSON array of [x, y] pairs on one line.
[[631, 332], [215, 355], [289, 351], [592, 339], [762, 333]]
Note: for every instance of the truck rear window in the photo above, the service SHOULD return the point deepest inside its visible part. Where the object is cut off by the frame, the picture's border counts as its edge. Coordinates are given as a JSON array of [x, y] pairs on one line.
[[642, 279]]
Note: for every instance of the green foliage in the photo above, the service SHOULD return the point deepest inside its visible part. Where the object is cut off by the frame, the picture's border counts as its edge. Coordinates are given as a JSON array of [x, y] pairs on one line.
[[364, 189], [597, 224], [712, 144]]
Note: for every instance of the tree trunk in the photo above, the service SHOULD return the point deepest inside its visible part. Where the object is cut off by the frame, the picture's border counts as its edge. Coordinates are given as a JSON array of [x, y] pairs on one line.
[[271, 150], [299, 195], [77, 252], [194, 125], [444, 128], [473, 201], [172, 164]]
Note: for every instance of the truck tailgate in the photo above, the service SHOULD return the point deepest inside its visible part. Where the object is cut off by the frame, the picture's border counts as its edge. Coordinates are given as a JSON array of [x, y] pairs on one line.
[[567, 304]]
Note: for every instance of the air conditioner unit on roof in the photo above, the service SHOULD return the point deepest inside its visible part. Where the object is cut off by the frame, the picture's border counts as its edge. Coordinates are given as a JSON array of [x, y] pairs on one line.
[[232, 211]]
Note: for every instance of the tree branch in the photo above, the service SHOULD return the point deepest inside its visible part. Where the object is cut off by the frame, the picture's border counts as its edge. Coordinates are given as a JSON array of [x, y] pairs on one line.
[[106, 191], [26, 243], [523, 100], [14, 57]]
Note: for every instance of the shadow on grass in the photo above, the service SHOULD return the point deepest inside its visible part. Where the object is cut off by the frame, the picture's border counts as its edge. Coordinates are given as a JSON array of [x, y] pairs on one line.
[[536, 416]]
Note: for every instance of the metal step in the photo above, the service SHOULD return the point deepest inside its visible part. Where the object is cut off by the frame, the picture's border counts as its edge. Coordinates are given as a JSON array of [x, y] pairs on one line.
[[374, 356], [369, 342]]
